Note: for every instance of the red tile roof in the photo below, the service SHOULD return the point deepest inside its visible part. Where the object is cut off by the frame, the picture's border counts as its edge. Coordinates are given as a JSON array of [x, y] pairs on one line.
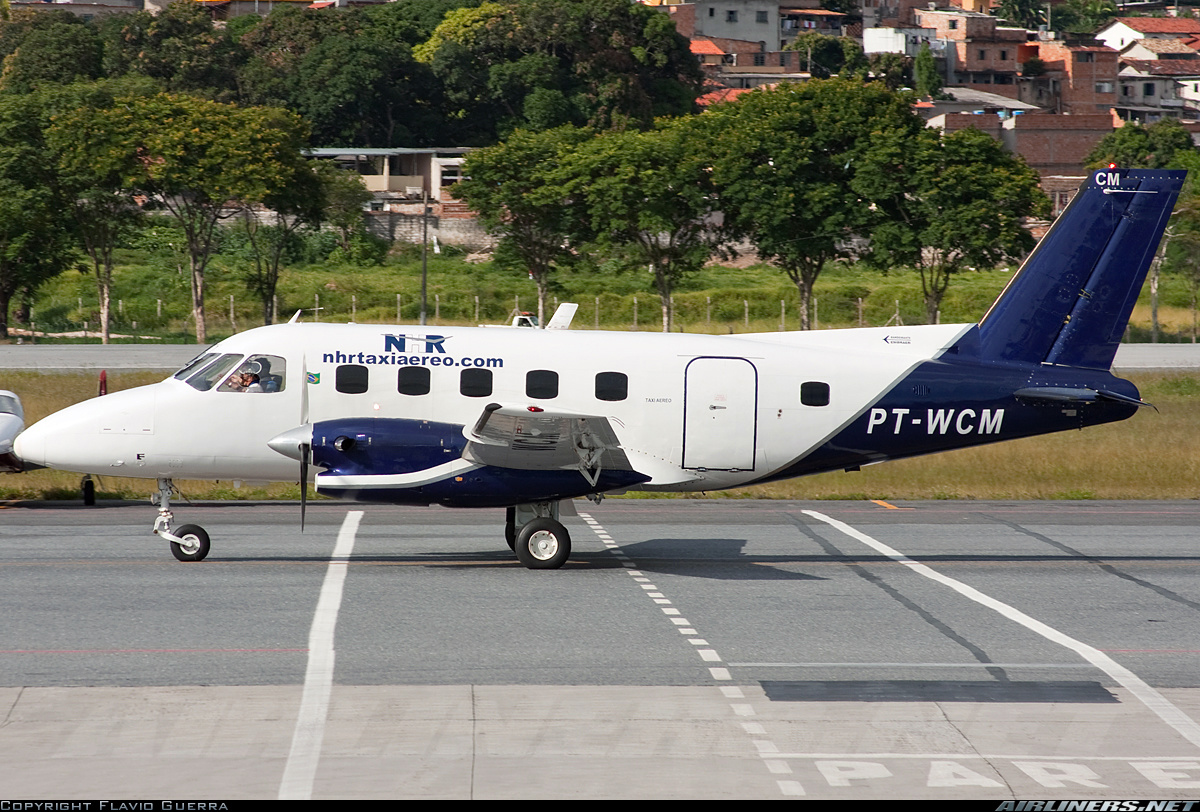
[[1162, 25], [704, 46]]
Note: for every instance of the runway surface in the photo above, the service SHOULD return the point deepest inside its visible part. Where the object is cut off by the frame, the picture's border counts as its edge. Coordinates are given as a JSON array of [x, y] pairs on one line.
[[690, 649]]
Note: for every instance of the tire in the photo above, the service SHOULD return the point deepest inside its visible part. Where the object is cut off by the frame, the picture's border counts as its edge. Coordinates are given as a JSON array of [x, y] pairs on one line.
[[89, 492], [195, 546], [510, 527], [543, 544]]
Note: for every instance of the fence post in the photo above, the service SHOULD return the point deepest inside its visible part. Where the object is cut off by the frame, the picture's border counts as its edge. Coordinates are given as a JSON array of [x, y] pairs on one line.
[[597, 312], [316, 307], [708, 312], [437, 308], [635, 312], [860, 312], [232, 323], [398, 316], [782, 316], [353, 307], [477, 309], [746, 309]]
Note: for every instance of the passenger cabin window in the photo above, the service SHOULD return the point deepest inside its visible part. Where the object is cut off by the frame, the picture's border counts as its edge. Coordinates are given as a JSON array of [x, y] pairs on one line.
[[814, 393], [413, 381], [256, 375], [350, 379], [612, 386], [475, 383], [541, 384]]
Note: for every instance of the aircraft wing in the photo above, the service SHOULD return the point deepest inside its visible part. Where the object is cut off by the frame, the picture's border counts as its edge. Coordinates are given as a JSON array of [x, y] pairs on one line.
[[519, 438]]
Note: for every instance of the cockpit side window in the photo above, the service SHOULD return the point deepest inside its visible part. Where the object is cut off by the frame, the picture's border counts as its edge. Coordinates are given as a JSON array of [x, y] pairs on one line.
[[257, 374], [194, 364], [207, 377]]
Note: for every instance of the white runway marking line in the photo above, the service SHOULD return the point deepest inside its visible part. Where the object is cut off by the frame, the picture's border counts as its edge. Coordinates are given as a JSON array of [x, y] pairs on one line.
[[301, 768], [1183, 724], [742, 709]]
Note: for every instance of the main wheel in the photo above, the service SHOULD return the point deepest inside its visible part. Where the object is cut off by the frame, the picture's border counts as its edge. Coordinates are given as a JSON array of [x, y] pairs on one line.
[[195, 543], [88, 487], [543, 544], [510, 527]]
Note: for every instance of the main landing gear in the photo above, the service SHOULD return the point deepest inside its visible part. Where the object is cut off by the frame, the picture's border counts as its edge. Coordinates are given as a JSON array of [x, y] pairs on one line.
[[189, 542], [534, 533]]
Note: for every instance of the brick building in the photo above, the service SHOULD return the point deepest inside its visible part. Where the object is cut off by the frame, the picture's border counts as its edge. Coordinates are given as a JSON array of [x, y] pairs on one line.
[[1079, 78]]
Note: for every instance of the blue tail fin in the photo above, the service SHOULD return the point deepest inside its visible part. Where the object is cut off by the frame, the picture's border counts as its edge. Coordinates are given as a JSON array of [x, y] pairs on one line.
[[1069, 303]]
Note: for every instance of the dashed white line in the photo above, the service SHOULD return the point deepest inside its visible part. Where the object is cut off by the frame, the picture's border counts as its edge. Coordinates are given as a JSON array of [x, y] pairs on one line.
[[305, 753], [709, 655]]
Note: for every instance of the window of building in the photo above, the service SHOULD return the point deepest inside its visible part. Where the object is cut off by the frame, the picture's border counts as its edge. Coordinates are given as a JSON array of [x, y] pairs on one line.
[[1148, 89], [475, 383], [612, 386], [712, 12], [731, 16], [760, 16], [982, 53], [1086, 57], [412, 381], [1003, 55], [541, 384], [1126, 91], [954, 25], [760, 60], [1104, 87], [350, 379], [814, 393]]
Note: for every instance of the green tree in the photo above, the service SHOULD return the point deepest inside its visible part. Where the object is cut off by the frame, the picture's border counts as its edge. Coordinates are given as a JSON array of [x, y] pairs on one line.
[[783, 163], [824, 56], [945, 204], [344, 195], [1082, 16], [57, 54], [517, 192], [648, 196], [1025, 13], [542, 63], [201, 161], [35, 240], [180, 47], [103, 211], [893, 70], [927, 78], [1154, 146]]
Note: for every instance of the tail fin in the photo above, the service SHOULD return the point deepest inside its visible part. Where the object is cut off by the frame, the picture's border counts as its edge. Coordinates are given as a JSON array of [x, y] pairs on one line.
[[1069, 303]]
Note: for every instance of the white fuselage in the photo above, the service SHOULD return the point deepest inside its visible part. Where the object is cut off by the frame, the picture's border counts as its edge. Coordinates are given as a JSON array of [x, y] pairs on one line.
[[710, 411]]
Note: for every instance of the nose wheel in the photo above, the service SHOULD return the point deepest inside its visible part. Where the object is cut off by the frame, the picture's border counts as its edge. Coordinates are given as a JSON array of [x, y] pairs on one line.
[[193, 545], [189, 542]]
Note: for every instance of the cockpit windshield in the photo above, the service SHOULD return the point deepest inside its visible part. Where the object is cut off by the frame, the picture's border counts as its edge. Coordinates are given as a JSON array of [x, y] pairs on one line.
[[208, 375], [194, 364]]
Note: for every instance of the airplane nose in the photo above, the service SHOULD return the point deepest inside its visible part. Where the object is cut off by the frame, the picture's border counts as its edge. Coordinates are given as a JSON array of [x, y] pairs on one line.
[[30, 446]]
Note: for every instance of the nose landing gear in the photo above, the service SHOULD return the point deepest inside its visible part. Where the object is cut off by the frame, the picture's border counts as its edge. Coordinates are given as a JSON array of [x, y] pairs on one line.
[[190, 541]]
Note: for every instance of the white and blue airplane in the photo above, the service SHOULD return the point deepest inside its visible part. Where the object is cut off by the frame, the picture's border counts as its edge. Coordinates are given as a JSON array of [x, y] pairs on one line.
[[528, 419]]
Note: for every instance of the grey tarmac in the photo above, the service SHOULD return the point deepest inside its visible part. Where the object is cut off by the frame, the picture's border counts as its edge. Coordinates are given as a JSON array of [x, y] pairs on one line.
[[690, 649]]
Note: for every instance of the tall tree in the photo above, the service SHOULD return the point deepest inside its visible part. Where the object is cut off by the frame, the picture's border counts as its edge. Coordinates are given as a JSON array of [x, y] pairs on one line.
[[927, 79], [103, 211], [944, 204], [201, 161], [35, 240], [783, 163], [520, 197], [646, 195]]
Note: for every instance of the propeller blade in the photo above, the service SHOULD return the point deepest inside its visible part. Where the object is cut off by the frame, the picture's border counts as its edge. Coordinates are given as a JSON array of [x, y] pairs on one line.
[[303, 389], [305, 452]]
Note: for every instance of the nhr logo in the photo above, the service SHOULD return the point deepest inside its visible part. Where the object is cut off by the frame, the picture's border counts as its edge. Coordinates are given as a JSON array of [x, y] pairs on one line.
[[403, 343]]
